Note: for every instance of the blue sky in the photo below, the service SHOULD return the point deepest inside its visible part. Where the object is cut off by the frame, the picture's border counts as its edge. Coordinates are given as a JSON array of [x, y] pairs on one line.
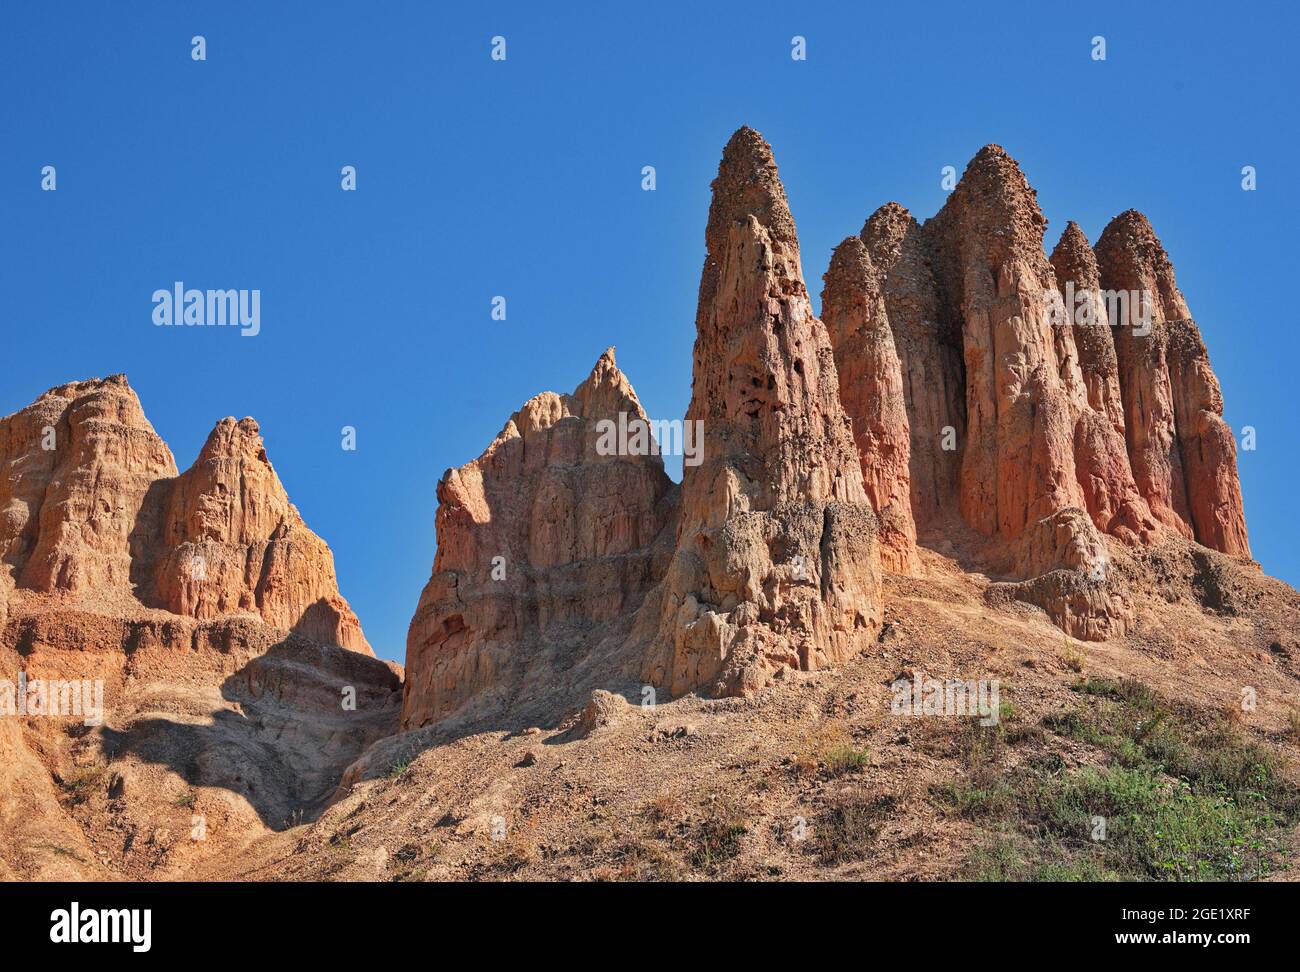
[[522, 178]]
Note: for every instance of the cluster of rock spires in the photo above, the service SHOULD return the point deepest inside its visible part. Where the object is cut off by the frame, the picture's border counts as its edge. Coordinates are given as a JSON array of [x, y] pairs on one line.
[[92, 505], [961, 390], [947, 390]]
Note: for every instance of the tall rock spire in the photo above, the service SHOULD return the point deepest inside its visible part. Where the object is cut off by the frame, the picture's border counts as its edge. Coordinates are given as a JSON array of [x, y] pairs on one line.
[[1023, 389], [871, 389], [929, 349], [777, 563], [1100, 452], [1183, 454]]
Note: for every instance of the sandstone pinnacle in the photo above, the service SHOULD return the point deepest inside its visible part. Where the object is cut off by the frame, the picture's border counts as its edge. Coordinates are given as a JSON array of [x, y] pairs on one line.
[[1183, 454]]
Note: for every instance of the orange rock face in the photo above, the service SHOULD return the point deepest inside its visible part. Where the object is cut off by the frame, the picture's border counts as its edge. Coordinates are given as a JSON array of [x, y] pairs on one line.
[[777, 558], [546, 547], [79, 462], [1023, 388], [959, 376], [1031, 393], [871, 389], [928, 344], [1100, 451], [92, 506], [232, 541], [1183, 454]]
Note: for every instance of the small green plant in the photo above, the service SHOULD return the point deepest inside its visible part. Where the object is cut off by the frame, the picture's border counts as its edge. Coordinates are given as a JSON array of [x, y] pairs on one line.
[[59, 851], [186, 800], [83, 783], [397, 769], [846, 758]]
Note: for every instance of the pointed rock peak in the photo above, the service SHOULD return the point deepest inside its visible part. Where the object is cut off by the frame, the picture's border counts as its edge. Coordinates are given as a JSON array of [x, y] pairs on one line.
[[994, 211], [851, 272], [1131, 233], [748, 185], [885, 233], [990, 152], [604, 371], [1073, 259], [1130, 224], [606, 391], [1073, 236], [1131, 256], [890, 221], [231, 438], [992, 172]]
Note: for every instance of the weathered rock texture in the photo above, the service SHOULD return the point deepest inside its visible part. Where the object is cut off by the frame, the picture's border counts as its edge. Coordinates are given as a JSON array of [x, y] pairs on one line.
[[777, 561], [1024, 391], [209, 619], [78, 464], [871, 389], [928, 343], [1100, 451], [950, 396], [91, 505], [232, 541], [546, 547], [1029, 393], [1183, 454]]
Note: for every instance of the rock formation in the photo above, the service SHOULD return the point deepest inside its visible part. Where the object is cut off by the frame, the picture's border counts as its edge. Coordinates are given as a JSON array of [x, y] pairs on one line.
[[546, 546], [1023, 387], [1100, 452], [928, 343], [203, 618], [964, 389], [777, 561], [232, 541], [1051, 391], [92, 506], [79, 463], [871, 389], [1184, 456]]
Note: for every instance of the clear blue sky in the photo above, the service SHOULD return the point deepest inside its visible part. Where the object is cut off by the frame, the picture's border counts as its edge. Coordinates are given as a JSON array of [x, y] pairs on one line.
[[523, 179]]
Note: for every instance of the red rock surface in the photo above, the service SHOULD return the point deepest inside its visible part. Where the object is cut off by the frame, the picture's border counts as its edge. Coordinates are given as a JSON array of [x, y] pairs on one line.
[[1054, 408], [1183, 454], [928, 344], [1100, 451], [104, 517], [871, 389], [545, 549], [777, 561], [232, 542], [1023, 388]]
